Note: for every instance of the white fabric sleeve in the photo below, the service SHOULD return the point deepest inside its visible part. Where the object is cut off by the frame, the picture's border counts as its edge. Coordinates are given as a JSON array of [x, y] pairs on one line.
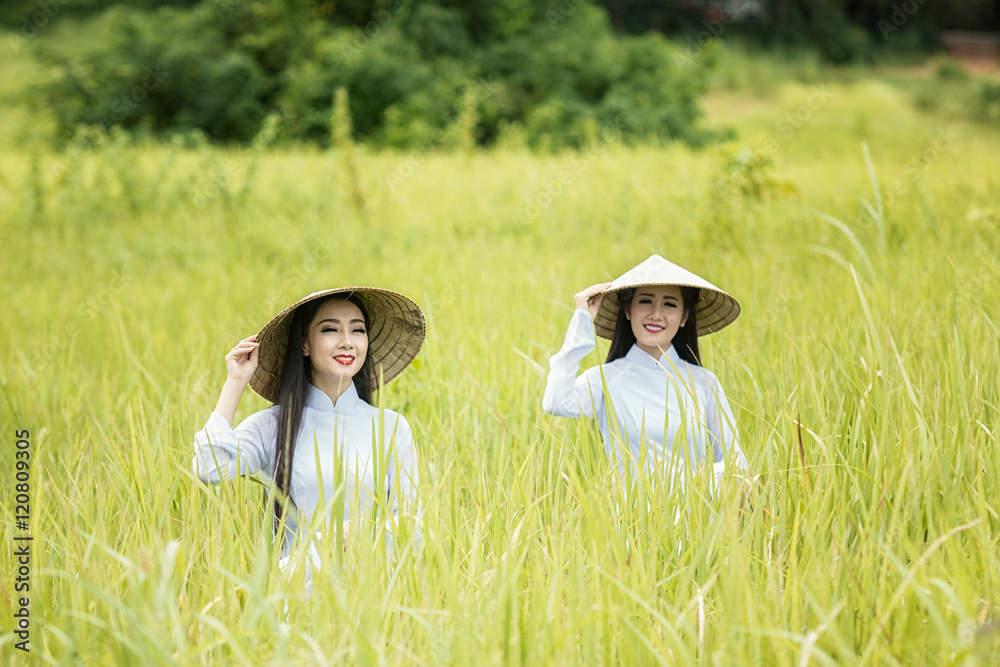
[[222, 452], [725, 439], [567, 395]]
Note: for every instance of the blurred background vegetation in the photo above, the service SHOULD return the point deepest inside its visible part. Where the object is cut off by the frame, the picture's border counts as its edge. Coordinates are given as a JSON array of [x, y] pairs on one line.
[[419, 74]]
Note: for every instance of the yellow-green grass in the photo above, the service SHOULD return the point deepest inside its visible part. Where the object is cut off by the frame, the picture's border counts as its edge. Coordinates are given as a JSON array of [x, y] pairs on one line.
[[864, 369]]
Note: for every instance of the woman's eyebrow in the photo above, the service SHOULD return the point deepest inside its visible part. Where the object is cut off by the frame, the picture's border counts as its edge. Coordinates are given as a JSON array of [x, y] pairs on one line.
[[336, 321]]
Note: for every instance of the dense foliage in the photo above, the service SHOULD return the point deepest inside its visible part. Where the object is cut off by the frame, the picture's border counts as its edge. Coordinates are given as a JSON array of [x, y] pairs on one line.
[[426, 73], [416, 73], [840, 30]]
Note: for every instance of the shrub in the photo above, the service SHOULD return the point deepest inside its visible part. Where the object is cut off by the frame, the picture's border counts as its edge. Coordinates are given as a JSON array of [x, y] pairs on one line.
[[985, 105], [411, 72], [167, 72]]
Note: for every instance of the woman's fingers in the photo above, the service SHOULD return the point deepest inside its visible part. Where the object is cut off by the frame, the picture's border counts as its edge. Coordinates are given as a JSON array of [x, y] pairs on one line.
[[594, 290], [241, 361], [245, 346], [587, 297]]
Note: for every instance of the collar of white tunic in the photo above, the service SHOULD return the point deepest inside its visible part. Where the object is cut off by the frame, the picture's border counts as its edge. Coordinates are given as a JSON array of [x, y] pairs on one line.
[[669, 361], [318, 400]]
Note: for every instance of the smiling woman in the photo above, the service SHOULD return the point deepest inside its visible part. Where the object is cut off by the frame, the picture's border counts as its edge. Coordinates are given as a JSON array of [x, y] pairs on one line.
[[336, 345], [664, 412], [319, 361]]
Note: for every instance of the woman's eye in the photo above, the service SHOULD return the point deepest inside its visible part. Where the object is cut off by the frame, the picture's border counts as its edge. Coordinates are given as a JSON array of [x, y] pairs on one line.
[[328, 329], [360, 331]]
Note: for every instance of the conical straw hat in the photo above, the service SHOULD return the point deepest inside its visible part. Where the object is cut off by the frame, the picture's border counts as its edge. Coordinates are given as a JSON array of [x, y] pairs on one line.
[[715, 308], [396, 330]]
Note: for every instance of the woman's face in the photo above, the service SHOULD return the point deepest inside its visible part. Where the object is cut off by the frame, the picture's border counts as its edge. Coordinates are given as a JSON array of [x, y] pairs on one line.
[[656, 314], [337, 343]]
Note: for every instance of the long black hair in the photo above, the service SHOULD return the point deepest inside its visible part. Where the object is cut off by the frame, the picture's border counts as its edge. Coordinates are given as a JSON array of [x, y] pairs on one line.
[[293, 389], [685, 340]]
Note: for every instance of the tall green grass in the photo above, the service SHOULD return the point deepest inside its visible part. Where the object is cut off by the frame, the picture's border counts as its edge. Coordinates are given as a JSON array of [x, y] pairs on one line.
[[863, 369]]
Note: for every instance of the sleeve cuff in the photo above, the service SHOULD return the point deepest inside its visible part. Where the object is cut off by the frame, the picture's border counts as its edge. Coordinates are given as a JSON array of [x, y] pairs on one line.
[[217, 426], [581, 331]]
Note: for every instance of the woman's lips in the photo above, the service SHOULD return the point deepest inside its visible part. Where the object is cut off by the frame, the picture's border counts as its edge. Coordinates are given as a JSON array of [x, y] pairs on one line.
[[653, 328], [344, 359]]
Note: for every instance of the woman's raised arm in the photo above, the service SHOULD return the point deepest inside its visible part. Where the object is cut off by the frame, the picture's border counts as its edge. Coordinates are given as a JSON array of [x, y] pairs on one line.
[[220, 451], [567, 395], [241, 362]]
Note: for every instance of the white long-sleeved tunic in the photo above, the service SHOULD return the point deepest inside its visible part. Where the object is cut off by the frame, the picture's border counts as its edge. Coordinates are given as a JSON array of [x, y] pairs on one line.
[[349, 428], [665, 415]]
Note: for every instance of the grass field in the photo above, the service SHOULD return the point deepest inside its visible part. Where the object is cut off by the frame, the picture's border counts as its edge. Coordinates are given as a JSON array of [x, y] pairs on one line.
[[864, 370]]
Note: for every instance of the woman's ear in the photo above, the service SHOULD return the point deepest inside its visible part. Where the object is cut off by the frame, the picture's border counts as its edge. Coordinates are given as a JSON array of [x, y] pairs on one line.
[[305, 348]]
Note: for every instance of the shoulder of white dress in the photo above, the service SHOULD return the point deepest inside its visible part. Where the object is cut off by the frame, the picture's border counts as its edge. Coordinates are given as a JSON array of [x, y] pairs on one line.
[[704, 372], [617, 363], [388, 415], [609, 369], [701, 375]]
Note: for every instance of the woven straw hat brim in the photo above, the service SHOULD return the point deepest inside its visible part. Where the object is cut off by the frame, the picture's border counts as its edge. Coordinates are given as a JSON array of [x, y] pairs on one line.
[[715, 308], [396, 331]]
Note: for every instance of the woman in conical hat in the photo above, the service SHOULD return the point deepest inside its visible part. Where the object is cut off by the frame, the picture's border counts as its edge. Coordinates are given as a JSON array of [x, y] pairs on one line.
[[667, 413], [320, 361]]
